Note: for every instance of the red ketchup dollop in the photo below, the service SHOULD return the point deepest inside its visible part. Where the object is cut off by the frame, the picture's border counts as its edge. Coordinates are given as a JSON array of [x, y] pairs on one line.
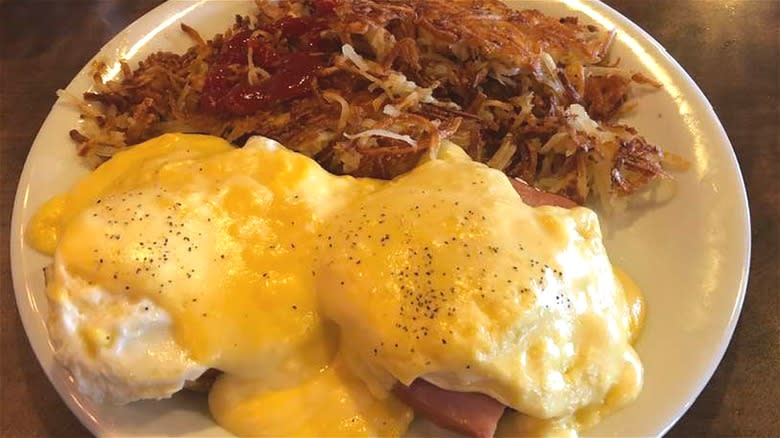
[[292, 78], [291, 74], [325, 7]]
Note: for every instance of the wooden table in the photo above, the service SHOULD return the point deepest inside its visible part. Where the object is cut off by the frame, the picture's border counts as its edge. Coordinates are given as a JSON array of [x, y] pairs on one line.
[[731, 48]]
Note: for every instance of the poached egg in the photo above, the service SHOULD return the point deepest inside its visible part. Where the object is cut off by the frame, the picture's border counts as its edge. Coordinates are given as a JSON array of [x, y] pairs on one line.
[[445, 274]]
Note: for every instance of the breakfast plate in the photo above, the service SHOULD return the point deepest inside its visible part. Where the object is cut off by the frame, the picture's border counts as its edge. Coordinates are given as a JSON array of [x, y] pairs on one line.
[[689, 251]]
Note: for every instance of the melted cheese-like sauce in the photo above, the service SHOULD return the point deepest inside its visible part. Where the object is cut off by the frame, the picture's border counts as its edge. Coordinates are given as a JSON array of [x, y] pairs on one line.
[[259, 263], [176, 232], [333, 402], [445, 274], [183, 254]]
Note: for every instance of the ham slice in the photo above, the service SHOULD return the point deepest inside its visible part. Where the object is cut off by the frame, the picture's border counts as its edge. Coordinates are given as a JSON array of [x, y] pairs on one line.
[[471, 413], [536, 198]]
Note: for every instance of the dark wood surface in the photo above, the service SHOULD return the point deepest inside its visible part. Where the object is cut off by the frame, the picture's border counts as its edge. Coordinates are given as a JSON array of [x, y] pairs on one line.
[[731, 48]]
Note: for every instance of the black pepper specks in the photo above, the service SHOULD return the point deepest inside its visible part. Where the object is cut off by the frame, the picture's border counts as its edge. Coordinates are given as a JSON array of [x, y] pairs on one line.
[[151, 238], [431, 286]]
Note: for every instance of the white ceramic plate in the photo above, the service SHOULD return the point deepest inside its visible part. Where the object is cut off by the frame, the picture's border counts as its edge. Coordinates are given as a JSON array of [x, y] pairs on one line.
[[689, 255]]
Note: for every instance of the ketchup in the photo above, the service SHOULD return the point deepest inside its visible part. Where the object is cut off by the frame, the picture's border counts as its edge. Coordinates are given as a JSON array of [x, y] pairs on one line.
[[325, 7], [235, 50], [217, 85], [291, 74], [296, 27], [292, 78]]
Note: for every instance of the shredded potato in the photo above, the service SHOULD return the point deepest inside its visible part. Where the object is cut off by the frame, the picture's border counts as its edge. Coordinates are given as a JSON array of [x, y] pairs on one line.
[[532, 95]]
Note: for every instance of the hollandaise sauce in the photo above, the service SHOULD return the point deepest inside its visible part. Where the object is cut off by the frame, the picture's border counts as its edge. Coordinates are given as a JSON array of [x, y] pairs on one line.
[[314, 294]]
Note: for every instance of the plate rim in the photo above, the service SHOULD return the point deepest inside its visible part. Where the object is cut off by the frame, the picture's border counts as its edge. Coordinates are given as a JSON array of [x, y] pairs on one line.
[[21, 293], [23, 297], [736, 311]]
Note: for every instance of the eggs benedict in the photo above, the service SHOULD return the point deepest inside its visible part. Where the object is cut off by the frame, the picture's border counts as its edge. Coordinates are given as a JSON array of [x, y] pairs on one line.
[[184, 254], [343, 304], [445, 275]]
